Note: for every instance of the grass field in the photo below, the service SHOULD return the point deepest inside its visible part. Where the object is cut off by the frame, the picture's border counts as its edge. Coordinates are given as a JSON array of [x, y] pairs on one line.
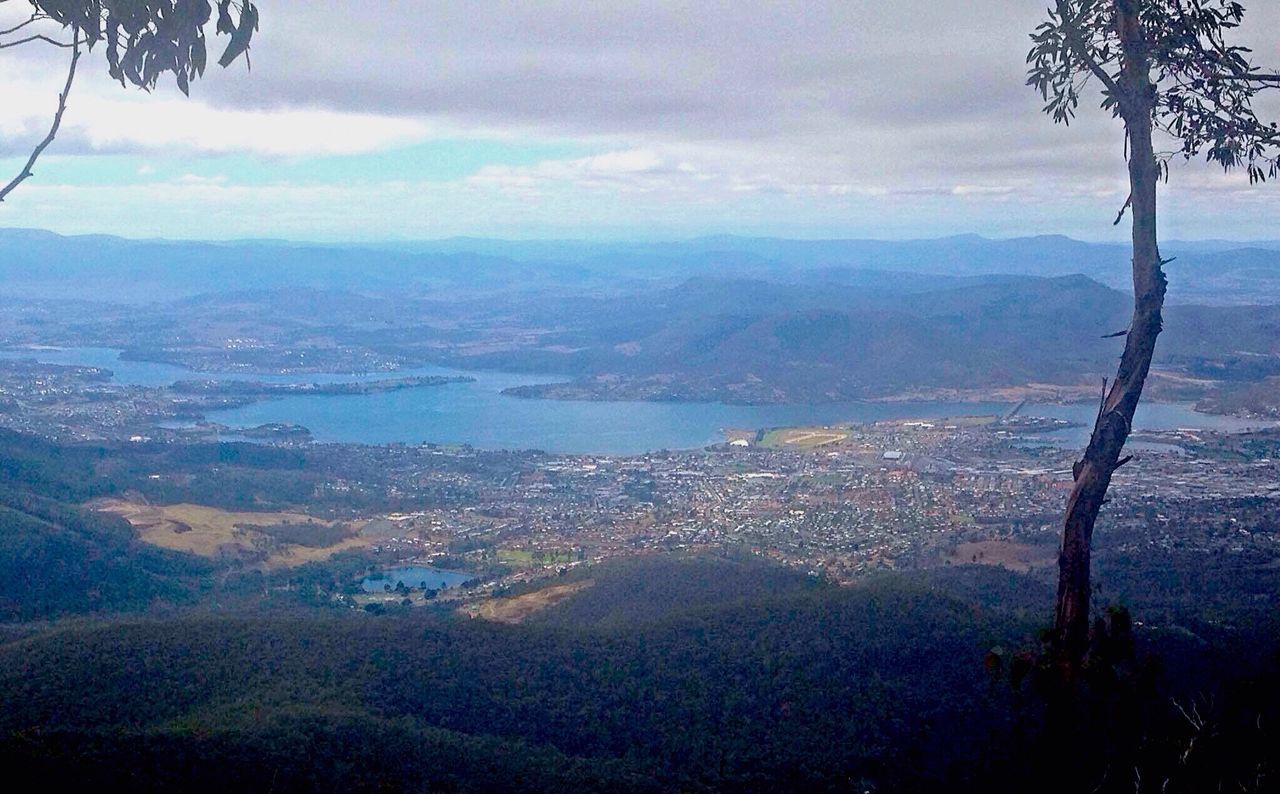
[[804, 437], [967, 421], [519, 608], [522, 558], [210, 532]]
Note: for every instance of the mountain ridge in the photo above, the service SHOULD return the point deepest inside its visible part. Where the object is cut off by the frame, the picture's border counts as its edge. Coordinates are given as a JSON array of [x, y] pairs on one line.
[[38, 263]]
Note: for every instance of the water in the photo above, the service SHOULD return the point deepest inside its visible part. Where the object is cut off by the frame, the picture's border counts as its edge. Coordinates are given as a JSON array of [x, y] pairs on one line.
[[417, 577], [1150, 416], [132, 373], [479, 414]]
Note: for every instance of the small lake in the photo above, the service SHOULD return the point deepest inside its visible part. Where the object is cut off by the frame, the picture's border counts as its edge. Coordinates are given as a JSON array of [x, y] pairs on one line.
[[416, 577], [477, 413]]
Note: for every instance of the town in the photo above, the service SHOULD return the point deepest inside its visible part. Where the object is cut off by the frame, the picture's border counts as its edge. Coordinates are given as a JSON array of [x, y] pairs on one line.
[[888, 495], [839, 502]]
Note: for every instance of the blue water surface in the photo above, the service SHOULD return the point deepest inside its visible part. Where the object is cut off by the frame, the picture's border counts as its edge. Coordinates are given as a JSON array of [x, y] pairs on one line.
[[417, 577], [477, 413]]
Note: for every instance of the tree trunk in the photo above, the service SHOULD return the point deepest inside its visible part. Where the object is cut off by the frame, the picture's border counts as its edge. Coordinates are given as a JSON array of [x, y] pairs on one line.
[[1115, 416]]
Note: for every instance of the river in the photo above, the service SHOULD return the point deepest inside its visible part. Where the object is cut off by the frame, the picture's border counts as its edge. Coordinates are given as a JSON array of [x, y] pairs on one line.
[[477, 413]]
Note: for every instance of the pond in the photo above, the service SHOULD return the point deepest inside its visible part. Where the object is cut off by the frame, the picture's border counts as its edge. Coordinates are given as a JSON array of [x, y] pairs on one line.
[[414, 577]]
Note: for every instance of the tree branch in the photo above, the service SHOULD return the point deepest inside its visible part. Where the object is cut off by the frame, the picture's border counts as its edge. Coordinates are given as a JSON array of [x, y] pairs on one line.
[[34, 18], [1076, 40], [1252, 77], [40, 37], [26, 172], [1120, 215]]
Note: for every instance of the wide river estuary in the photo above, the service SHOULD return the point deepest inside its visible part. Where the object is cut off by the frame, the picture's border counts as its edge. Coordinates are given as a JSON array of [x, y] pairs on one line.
[[477, 413]]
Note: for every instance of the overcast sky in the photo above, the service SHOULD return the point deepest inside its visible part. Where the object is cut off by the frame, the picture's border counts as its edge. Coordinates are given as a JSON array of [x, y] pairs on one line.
[[409, 120]]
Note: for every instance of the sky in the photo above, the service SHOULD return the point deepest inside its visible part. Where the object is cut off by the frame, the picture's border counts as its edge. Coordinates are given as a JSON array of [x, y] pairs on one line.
[[414, 119]]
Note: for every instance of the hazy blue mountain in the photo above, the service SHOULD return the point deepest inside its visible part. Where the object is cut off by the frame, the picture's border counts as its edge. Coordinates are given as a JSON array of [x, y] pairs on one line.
[[35, 263], [1216, 270], [42, 264]]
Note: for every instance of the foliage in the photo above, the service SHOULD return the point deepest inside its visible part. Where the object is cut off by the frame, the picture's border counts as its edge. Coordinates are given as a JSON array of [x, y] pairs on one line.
[[631, 591], [305, 750], [146, 39], [57, 558], [766, 683], [810, 690], [1203, 84]]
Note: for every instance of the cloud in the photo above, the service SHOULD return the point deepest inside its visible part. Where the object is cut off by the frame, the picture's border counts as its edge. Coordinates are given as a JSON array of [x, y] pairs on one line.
[[911, 94], [108, 119], [764, 106], [167, 123], [982, 190], [635, 170], [214, 208], [846, 86]]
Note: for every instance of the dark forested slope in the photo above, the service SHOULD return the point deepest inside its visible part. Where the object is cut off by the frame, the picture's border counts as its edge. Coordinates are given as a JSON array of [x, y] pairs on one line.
[[667, 673], [56, 557], [815, 688]]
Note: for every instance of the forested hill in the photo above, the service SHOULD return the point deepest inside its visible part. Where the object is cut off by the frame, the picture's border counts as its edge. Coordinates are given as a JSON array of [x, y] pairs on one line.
[[824, 343], [666, 673], [757, 341], [709, 337], [693, 675], [58, 558]]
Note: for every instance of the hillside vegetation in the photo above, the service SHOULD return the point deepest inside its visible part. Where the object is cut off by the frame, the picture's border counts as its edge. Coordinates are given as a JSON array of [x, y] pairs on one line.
[[741, 676]]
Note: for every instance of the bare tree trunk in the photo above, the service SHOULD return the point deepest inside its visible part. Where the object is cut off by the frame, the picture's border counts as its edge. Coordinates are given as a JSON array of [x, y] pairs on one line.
[[1115, 416]]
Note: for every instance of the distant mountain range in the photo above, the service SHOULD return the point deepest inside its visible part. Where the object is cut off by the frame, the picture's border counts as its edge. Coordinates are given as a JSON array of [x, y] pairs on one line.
[[707, 338], [724, 318], [43, 264]]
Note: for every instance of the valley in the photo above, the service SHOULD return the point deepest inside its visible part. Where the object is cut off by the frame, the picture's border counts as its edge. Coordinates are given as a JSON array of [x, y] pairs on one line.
[[430, 397], [631, 472]]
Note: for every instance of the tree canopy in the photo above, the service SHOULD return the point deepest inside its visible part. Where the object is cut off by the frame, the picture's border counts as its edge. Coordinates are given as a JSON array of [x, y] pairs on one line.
[[1202, 85], [143, 39]]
